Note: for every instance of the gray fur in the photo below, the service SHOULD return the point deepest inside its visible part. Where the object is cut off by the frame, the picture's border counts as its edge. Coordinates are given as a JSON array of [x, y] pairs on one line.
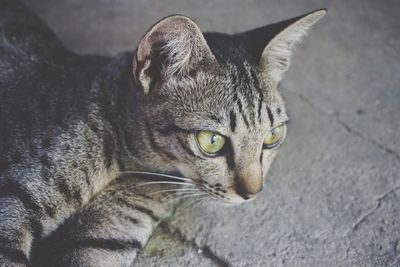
[[74, 128]]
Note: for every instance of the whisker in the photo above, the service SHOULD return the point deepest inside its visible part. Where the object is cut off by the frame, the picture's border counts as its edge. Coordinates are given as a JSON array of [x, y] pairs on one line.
[[190, 202], [179, 193], [196, 201], [174, 197], [192, 195], [174, 190], [158, 174], [164, 182], [201, 202]]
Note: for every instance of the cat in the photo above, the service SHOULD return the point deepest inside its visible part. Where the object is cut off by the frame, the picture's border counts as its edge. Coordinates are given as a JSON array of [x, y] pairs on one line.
[[95, 151]]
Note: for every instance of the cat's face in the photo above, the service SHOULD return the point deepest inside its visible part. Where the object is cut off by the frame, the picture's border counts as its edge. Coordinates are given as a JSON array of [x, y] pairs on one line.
[[223, 128], [218, 117]]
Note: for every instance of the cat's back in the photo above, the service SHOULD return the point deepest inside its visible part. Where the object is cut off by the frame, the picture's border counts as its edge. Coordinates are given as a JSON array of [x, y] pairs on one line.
[[30, 58], [44, 88], [25, 42]]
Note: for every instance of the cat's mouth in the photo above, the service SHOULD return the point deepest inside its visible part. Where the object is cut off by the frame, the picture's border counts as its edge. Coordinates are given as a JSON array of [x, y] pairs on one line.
[[227, 195], [199, 188]]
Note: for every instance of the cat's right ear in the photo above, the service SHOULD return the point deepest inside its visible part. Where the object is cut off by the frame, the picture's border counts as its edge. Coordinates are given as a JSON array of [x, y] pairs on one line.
[[272, 45], [172, 47]]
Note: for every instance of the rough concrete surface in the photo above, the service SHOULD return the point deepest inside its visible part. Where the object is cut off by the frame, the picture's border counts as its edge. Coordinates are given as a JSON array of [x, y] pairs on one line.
[[333, 195]]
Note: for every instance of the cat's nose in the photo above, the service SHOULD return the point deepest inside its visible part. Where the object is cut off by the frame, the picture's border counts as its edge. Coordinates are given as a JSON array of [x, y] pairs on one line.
[[245, 195], [249, 181]]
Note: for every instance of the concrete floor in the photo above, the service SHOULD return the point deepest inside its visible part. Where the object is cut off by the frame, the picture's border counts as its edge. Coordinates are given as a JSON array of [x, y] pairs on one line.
[[333, 195]]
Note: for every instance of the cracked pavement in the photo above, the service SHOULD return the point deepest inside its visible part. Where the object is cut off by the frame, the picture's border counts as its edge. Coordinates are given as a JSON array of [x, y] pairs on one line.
[[332, 197]]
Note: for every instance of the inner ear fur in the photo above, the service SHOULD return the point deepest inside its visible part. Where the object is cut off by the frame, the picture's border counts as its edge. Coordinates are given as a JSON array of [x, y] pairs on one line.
[[172, 47]]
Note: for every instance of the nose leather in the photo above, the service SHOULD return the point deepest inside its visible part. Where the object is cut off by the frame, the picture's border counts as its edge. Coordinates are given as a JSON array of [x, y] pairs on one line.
[[249, 180]]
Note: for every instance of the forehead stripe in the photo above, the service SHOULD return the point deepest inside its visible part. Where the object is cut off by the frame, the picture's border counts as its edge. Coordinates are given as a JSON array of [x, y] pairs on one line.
[[232, 118], [270, 116], [260, 93], [245, 120], [237, 100], [259, 109]]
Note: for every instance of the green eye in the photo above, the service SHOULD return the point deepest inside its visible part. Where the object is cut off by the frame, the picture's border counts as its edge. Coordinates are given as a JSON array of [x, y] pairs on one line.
[[210, 142], [274, 137]]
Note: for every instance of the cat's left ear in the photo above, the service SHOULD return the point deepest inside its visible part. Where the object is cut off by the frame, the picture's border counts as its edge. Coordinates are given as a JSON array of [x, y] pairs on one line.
[[272, 45], [172, 47]]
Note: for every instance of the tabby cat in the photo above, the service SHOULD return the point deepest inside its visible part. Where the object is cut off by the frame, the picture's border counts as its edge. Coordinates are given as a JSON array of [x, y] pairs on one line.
[[94, 150]]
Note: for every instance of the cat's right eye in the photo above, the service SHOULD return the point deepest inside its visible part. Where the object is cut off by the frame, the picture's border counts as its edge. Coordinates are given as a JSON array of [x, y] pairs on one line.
[[210, 142], [274, 137]]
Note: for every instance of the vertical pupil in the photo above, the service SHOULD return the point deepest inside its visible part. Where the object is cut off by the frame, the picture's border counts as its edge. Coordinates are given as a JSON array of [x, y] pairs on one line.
[[213, 137]]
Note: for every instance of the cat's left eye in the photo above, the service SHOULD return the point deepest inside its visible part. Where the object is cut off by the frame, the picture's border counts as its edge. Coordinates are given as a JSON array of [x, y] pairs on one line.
[[274, 137], [210, 142]]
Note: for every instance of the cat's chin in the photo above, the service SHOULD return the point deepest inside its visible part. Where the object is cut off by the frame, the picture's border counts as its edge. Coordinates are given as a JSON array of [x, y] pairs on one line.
[[239, 201], [232, 201]]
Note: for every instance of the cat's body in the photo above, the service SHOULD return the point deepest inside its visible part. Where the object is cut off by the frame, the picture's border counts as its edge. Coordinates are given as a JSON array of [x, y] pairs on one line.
[[71, 125], [58, 140]]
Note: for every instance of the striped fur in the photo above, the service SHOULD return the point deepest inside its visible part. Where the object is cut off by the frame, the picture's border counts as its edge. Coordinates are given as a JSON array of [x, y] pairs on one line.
[[80, 134]]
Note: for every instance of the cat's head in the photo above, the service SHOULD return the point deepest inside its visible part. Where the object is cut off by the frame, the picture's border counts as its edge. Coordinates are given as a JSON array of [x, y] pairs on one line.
[[212, 102]]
